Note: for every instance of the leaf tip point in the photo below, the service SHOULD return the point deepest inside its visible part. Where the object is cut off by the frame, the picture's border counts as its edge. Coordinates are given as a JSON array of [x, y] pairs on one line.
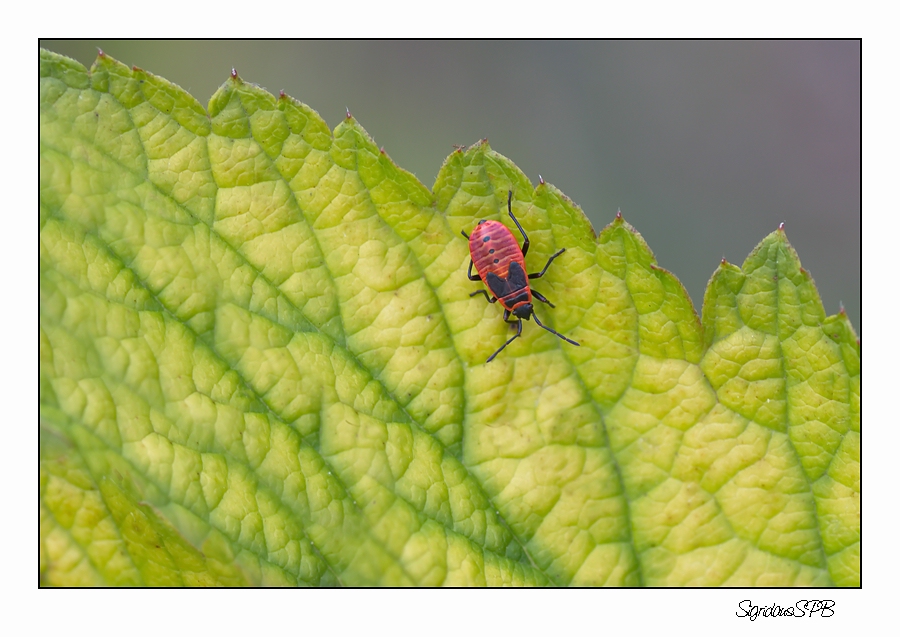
[[381, 150], [541, 179], [100, 53], [781, 227], [347, 108], [724, 261], [619, 214], [281, 94]]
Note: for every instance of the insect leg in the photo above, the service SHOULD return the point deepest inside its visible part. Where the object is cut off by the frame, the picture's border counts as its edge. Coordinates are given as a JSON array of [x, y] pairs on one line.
[[463, 233], [518, 225], [541, 297], [552, 331], [489, 299], [472, 278], [549, 261], [518, 334]]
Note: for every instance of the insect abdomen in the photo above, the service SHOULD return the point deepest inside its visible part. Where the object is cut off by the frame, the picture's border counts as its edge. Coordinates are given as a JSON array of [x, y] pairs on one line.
[[493, 248]]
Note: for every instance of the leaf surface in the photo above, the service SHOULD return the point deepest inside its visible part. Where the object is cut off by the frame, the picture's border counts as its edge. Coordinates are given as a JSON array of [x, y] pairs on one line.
[[260, 364]]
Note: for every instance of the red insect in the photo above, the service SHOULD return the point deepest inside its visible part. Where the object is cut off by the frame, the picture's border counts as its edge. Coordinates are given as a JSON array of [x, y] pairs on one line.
[[501, 266]]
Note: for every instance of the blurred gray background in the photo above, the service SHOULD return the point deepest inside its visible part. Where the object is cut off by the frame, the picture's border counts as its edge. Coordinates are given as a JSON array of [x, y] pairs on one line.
[[705, 146]]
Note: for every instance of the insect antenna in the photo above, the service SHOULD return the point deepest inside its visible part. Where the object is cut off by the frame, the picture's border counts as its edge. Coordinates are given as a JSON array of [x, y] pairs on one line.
[[517, 335], [552, 331]]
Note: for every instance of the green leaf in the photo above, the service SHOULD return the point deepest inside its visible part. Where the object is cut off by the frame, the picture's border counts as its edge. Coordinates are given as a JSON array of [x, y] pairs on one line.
[[260, 364]]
